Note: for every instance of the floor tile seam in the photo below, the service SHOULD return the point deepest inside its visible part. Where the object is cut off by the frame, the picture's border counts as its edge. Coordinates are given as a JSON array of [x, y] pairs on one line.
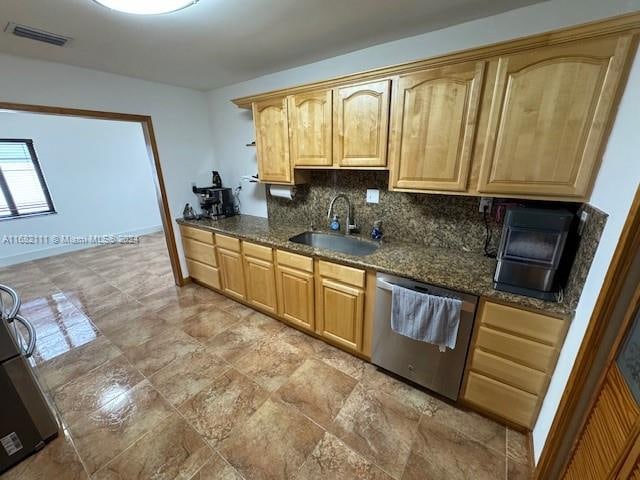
[[76, 380], [282, 401], [528, 463], [317, 356], [229, 463], [121, 453], [101, 406], [43, 365], [464, 435], [70, 438], [366, 456], [186, 419], [133, 442], [227, 366]]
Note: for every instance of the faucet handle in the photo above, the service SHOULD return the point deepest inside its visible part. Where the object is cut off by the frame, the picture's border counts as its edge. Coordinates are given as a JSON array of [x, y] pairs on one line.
[[352, 228]]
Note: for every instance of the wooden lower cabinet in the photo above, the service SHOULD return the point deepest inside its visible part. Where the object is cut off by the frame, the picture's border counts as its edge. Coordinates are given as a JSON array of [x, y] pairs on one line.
[[203, 273], [261, 284], [340, 305], [200, 254], [296, 296], [510, 403], [512, 357], [232, 273]]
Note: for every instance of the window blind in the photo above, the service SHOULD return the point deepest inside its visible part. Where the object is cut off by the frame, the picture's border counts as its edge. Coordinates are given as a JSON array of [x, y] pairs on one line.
[[22, 187]]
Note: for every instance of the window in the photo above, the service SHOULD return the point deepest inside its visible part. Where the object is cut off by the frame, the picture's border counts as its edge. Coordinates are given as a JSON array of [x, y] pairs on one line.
[[22, 187]]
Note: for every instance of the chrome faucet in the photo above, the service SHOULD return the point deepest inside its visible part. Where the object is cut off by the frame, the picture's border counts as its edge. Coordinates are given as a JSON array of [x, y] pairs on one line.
[[349, 227]]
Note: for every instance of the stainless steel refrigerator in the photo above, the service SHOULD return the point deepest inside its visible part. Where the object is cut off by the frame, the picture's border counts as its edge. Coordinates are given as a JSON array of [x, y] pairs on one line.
[[27, 421]]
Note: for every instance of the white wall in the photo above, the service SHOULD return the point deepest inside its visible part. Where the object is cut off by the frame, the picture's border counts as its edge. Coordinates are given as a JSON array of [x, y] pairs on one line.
[[99, 177], [180, 116], [619, 176]]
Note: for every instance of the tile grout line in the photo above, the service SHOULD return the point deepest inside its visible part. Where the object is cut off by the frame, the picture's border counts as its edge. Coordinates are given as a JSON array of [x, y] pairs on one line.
[[186, 420]]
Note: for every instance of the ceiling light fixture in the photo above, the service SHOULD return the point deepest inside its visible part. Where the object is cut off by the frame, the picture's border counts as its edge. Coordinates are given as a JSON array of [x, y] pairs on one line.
[[146, 7]]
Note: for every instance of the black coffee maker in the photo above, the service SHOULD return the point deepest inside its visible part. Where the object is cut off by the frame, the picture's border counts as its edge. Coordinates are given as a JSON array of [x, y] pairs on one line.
[[215, 201]]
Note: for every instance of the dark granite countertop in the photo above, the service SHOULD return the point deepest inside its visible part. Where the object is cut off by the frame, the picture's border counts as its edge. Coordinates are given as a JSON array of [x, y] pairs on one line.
[[454, 269]]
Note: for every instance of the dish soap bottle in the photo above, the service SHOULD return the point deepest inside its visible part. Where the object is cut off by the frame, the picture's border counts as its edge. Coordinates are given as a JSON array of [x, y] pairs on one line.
[[335, 224], [376, 233]]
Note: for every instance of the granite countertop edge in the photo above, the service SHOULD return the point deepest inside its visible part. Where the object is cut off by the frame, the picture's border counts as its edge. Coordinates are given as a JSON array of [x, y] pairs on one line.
[[466, 272]]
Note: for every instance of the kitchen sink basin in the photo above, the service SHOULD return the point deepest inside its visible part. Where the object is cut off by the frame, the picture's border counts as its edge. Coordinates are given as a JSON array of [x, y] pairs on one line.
[[336, 242]]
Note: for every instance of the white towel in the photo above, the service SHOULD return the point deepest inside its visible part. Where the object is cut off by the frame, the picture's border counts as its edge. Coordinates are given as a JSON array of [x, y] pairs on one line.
[[425, 317]]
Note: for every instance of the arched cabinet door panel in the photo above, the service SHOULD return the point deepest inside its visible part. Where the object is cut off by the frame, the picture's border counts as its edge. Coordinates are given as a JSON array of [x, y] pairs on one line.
[[434, 126], [272, 141], [361, 122], [550, 110], [310, 124]]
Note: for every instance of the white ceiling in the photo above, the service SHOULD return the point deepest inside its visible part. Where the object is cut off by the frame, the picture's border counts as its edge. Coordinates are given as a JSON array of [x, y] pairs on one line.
[[220, 42]]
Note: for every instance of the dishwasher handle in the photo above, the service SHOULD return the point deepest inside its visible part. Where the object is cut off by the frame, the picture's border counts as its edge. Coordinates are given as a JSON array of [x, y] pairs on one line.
[[466, 306]]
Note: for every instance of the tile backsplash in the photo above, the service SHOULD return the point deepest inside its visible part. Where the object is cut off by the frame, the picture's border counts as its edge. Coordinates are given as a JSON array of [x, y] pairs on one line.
[[450, 221]]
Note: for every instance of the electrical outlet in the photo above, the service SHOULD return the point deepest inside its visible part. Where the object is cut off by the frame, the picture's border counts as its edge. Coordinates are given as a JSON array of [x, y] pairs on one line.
[[373, 195], [485, 203]]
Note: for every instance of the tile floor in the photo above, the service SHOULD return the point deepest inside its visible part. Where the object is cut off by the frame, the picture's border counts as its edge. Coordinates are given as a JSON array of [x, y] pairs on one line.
[[153, 381]]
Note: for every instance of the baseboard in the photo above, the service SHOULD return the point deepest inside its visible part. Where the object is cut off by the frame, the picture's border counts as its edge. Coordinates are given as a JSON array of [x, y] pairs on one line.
[[60, 249]]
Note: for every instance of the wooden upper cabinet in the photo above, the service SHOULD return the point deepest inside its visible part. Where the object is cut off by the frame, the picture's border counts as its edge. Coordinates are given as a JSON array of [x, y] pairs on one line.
[[272, 141], [361, 121], [433, 127], [550, 110], [310, 126]]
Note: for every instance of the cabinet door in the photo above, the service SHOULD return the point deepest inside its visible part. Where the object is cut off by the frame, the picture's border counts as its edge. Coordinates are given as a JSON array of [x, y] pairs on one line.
[[361, 122], [340, 313], [261, 284], [232, 273], [295, 296], [310, 126], [433, 127], [550, 109], [272, 141]]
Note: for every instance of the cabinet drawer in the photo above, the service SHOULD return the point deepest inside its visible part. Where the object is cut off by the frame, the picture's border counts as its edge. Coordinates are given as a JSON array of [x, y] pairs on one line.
[[257, 251], [202, 252], [509, 372], [197, 234], [503, 400], [293, 260], [352, 276], [204, 273], [229, 243], [533, 325], [533, 354]]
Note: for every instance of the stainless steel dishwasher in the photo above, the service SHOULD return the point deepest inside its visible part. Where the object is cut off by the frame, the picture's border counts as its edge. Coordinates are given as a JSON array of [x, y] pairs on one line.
[[414, 360]]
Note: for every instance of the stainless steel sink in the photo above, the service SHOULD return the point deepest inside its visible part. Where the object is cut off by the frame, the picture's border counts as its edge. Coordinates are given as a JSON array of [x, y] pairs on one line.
[[336, 242]]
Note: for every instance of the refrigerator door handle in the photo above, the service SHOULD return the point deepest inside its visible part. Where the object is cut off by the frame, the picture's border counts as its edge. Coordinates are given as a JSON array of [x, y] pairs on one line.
[[16, 302], [32, 335]]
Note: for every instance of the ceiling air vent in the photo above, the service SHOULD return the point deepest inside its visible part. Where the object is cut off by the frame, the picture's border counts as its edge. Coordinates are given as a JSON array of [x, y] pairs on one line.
[[37, 34]]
